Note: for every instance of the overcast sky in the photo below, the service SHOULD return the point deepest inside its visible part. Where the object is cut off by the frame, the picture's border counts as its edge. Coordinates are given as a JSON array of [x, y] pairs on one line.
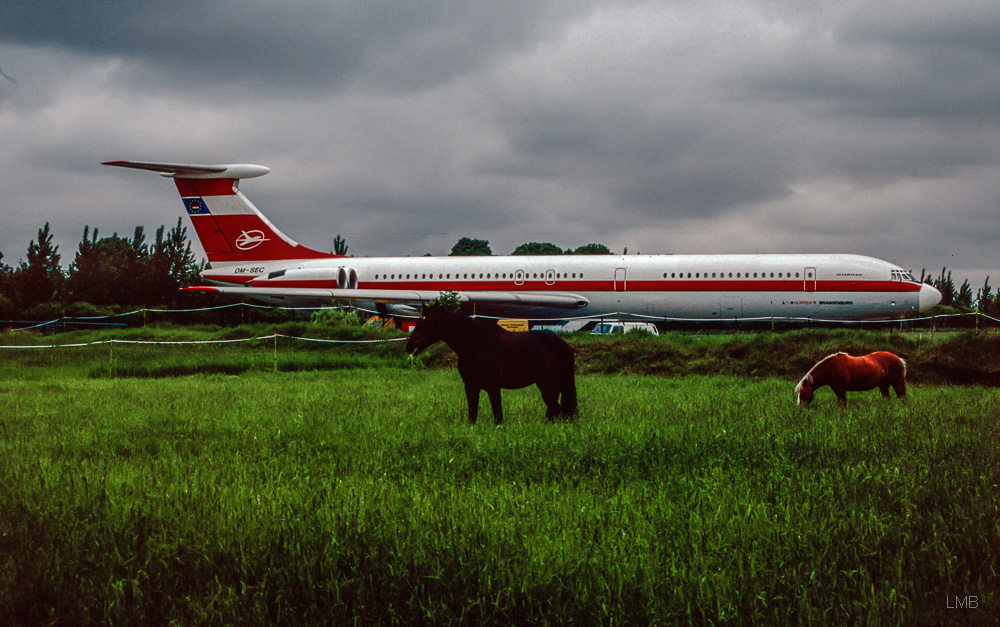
[[666, 127]]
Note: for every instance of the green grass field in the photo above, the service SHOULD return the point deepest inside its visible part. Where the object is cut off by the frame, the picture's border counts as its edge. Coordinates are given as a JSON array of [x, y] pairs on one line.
[[352, 491]]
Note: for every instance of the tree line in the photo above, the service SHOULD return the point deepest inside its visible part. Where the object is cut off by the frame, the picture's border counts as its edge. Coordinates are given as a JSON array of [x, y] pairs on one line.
[[107, 275], [473, 246], [961, 300]]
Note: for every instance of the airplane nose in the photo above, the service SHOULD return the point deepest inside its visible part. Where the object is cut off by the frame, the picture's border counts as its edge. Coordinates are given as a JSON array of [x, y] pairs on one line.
[[929, 297]]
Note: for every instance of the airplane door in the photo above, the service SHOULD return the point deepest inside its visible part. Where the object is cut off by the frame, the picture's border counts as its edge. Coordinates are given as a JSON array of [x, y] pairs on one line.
[[620, 279], [809, 284], [519, 277]]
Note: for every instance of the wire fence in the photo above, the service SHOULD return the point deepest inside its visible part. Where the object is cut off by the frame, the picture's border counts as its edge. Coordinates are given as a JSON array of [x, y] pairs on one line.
[[115, 320], [965, 320], [273, 336]]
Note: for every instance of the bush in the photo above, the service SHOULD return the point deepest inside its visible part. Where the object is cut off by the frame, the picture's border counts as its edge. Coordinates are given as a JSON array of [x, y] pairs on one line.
[[337, 317]]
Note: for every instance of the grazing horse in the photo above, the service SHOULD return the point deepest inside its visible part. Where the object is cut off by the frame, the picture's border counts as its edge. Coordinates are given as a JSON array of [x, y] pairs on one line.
[[844, 374], [491, 357]]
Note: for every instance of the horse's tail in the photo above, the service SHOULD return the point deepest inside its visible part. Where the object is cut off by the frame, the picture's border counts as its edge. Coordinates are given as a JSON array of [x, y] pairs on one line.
[[900, 385], [893, 363]]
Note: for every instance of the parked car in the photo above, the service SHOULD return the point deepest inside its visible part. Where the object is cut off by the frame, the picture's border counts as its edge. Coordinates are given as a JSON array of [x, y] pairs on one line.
[[607, 328]]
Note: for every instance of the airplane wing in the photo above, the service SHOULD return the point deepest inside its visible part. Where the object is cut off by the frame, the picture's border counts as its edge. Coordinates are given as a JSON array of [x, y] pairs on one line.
[[408, 297]]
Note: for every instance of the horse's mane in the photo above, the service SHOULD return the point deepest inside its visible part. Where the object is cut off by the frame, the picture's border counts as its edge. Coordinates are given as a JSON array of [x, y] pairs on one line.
[[830, 356], [823, 361], [485, 325]]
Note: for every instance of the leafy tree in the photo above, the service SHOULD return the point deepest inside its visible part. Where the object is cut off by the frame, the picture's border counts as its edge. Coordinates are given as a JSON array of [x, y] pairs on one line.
[[447, 300], [964, 296], [172, 256], [109, 270], [40, 278], [118, 271], [83, 278], [339, 245], [471, 246], [537, 248], [984, 294], [592, 249], [987, 302], [5, 273], [6, 290], [7, 308]]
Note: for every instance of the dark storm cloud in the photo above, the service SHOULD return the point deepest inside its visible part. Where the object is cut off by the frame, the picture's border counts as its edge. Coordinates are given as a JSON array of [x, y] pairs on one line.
[[896, 60], [303, 46]]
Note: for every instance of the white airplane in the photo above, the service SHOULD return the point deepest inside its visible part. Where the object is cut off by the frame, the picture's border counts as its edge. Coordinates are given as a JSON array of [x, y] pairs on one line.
[[248, 256]]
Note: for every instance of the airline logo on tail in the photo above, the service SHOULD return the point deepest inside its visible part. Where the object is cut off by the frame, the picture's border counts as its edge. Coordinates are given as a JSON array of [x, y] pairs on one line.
[[250, 240]]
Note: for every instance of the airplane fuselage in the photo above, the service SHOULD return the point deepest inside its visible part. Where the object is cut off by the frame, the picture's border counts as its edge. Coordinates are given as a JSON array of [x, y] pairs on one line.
[[705, 287]]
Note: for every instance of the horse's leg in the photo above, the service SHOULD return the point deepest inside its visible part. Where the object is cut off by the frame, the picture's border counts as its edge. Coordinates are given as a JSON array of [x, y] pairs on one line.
[[569, 396], [494, 394], [884, 389], [841, 396], [900, 388], [472, 396], [550, 394]]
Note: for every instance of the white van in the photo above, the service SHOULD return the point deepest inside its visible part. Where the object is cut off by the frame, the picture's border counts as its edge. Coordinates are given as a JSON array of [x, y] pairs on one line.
[[607, 328]]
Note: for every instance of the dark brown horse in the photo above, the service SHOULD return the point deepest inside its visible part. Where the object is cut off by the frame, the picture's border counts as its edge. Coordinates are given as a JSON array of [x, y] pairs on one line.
[[491, 358], [844, 374]]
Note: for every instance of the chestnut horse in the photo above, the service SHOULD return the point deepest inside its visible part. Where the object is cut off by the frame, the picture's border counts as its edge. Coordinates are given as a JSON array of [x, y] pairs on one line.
[[844, 374], [491, 357]]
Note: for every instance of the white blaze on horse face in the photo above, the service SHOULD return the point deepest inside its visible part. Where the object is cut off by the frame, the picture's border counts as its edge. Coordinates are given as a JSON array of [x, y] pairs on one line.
[[806, 380]]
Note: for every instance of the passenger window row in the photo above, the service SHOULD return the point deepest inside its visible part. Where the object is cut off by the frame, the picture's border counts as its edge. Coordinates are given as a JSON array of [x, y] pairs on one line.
[[574, 275], [723, 275], [472, 275]]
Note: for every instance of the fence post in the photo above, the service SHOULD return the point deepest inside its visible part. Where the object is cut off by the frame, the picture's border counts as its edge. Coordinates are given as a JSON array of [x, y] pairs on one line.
[[276, 352]]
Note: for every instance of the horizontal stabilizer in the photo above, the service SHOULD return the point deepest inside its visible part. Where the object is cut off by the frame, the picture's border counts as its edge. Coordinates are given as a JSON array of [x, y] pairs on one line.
[[189, 171]]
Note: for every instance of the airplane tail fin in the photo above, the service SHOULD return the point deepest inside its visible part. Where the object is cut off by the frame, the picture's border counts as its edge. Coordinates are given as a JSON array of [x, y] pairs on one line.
[[230, 228]]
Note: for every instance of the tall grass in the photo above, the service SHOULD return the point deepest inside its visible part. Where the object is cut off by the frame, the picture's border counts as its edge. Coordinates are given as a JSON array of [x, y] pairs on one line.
[[363, 496]]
